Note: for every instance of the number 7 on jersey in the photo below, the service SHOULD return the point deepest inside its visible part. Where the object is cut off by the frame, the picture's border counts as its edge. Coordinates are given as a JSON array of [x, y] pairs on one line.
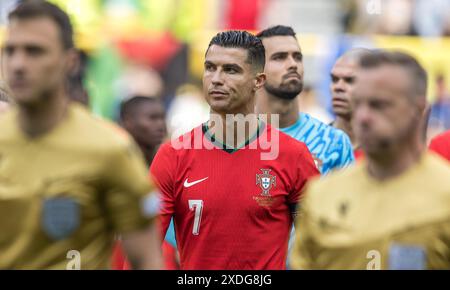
[[197, 206]]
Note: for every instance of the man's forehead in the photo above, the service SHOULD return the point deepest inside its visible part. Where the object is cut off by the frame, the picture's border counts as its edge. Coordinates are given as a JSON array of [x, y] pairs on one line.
[[276, 44], [383, 77], [36, 29], [343, 67], [219, 54], [152, 105]]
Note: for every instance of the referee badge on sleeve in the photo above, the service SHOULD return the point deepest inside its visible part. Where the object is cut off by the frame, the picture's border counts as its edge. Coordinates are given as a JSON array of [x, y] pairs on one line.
[[406, 257], [151, 204], [60, 217]]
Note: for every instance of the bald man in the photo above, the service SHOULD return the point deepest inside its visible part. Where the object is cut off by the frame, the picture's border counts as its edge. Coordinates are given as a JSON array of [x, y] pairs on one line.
[[343, 77]]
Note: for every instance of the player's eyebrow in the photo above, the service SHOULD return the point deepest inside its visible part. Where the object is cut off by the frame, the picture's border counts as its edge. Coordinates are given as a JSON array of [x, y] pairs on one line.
[[279, 54], [350, 79], [299, 54], [234, 66], [284, 54]]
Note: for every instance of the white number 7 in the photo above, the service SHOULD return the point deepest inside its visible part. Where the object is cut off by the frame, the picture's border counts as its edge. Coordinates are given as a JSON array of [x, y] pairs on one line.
[[197, 205]]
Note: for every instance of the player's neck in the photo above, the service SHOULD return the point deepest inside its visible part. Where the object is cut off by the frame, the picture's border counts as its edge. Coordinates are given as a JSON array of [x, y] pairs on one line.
[[287, 110], [149, 153], [345, 125], [229, 128], [394, 162], [38, 119]]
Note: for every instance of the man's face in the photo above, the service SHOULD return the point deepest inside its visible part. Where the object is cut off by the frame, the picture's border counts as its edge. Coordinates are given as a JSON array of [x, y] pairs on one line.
[[34, 60], [384, 114], [147, 124], [229, 81], [284, 66], [342, 81]]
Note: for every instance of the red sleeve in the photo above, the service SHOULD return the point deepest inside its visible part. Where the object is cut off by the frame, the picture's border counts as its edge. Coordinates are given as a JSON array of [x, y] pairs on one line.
[[441, 145], [170, 256], [119, 262], [306, 169], [162, 172]]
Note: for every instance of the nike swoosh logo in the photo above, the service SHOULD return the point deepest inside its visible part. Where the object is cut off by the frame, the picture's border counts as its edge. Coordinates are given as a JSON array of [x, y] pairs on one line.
[[189, 184]]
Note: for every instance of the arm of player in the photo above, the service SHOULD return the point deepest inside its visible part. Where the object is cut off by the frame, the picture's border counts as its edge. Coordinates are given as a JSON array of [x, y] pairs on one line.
[[143, 248], [303, 249], [162, 173], [306, 170], [132, 205]]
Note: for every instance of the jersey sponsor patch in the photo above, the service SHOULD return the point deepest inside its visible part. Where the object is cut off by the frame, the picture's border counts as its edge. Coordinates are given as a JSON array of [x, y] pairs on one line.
[[60, 217], [406, 257]]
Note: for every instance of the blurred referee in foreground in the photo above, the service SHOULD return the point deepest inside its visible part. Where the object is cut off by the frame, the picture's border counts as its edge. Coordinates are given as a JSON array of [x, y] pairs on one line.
[[68, 181], [391, 210]]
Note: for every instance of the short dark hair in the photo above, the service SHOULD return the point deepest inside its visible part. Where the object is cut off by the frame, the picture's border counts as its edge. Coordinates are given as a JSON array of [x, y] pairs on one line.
[[128, 106], [34, 9], [355, 54], [377, 58], [278, 30], [242, 39]]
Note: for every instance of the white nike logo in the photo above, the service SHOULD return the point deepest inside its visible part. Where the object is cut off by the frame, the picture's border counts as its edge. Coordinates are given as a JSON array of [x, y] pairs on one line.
[[189, 184]]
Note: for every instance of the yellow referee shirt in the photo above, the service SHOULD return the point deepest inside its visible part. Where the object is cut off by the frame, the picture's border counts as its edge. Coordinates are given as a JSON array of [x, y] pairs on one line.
[[349, 220], [68, 191]]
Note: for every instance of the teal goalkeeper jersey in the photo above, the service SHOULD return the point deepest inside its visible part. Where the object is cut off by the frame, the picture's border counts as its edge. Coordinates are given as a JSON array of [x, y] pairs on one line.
[[330, 147]]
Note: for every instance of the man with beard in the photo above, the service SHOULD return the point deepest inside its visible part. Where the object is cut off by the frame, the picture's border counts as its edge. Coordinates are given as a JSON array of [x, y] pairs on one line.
[[391, 210], [330, 147]]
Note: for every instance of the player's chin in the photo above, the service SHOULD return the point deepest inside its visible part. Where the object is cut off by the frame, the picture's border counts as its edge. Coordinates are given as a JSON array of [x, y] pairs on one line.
[[292, 85], [25, 98], [341, 110], [220, 106], [371, 143]]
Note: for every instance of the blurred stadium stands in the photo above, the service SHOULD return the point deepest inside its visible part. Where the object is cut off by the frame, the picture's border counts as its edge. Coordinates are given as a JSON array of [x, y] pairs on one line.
[[169, 37]]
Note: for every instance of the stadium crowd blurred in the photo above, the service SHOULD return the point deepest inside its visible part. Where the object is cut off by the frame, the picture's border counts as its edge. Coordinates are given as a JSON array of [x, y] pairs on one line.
[[134, 47]]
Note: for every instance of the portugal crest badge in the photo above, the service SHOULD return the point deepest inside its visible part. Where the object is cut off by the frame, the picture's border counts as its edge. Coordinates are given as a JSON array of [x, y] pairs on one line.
[[266, 181]]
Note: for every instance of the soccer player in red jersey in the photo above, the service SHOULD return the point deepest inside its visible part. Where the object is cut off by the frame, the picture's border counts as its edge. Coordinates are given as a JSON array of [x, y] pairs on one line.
[[232, 190], [441, 144]]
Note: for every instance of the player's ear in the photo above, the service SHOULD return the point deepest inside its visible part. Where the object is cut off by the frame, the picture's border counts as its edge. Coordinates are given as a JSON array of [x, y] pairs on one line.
[[260, 80], [72, 61]]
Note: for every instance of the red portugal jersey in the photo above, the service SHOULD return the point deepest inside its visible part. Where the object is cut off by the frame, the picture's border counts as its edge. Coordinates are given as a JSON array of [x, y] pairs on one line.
[[231, 208], [441, 145]]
